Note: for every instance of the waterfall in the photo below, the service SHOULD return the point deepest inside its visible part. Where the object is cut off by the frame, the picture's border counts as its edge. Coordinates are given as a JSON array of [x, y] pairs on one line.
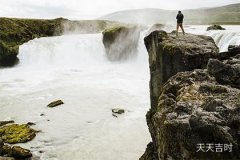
[[225, 38]]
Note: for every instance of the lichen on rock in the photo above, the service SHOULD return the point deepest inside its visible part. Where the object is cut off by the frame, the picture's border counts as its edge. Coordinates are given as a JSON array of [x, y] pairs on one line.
[[16, 133]]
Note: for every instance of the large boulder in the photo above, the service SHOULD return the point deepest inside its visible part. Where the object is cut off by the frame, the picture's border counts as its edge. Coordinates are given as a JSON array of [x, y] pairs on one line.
[[215, 27], [121, 41], [169, 55]]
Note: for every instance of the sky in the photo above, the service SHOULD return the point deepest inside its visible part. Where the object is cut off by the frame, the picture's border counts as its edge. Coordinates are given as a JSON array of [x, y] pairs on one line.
[[91, 9]]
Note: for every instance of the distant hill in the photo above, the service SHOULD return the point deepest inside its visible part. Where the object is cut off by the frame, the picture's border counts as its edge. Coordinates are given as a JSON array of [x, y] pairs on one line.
[[229, 14]]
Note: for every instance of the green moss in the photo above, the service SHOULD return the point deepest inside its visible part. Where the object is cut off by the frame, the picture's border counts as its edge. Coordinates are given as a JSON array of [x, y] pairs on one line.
[[14, 32], [17, 133], [170, 48]]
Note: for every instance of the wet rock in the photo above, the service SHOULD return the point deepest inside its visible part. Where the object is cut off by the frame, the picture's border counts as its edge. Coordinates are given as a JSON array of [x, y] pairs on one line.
[[121, 41], [2, 123], [1, 145], [7, 150], [234, 48], [149, 153], [114, 115], [226, 72], [118, 111], [20, 153], [6, 158], [55, 103], [169, 55], [31, 123], [16, 152], [16, 133], [215, 27]]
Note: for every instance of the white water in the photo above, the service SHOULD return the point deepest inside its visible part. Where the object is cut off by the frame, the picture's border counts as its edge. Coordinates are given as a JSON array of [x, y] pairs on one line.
[[74, 68], [223, 38]]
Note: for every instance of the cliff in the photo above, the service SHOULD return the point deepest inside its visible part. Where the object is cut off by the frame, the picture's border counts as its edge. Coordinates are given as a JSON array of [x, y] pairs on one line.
[[194, 99]]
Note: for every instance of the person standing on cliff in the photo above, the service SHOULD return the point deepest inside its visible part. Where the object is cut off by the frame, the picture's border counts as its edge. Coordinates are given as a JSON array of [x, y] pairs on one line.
[[180, 18]]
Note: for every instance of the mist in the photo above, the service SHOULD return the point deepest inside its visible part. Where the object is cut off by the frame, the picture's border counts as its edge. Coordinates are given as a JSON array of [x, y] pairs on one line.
[[91, 9]]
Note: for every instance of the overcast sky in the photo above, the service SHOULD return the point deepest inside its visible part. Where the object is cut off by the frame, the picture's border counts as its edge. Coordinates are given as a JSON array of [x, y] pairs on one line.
[[90, 9]]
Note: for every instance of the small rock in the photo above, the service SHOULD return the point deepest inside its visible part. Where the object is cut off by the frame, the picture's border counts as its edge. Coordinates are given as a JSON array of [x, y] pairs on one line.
[[55, 103], [114, 115], [215, 27], [31, 124], [6, 158], [118, 111], [2, 123], [234, 48], [19, 152], [41, 151], [42, 114]]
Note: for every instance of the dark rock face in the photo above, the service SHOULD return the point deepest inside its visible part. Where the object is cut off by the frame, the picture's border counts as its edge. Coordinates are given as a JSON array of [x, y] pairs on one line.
[[226, 72], [215, 27], [121, 42], [195, 107], [169, 55]]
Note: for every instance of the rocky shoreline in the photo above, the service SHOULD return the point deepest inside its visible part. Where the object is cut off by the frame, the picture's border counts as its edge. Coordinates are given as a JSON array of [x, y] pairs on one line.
[[11, 134], [195, 98]]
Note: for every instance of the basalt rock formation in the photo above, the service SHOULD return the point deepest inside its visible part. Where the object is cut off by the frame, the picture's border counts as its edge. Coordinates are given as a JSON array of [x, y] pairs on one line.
[[194, 111], [169, 55], [121, 41]]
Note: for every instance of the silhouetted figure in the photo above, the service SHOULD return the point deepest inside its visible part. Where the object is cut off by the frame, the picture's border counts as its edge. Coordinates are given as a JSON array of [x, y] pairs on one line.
[[180, 18]]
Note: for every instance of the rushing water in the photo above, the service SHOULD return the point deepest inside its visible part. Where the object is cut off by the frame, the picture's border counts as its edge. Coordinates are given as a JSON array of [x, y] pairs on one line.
[[223, 38], [74, 68]]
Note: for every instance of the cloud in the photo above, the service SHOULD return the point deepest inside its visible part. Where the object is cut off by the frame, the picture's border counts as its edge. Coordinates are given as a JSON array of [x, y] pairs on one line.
[[89, 9]]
